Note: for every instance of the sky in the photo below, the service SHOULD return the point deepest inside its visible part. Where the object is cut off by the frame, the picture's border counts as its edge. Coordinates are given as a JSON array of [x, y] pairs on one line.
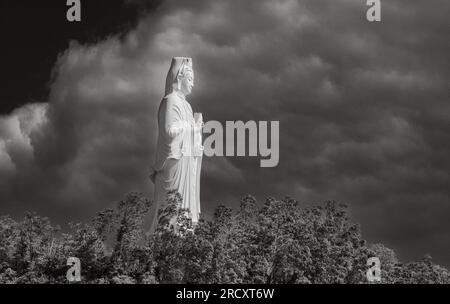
[[364, 107]]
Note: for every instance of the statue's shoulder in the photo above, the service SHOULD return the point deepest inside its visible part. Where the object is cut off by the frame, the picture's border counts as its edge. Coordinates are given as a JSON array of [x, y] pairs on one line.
[[172, 98], [172, 102]]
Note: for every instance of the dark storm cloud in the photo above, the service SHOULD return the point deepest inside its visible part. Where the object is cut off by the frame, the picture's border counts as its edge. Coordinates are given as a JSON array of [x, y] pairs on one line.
[[363, 108], [34, 32]]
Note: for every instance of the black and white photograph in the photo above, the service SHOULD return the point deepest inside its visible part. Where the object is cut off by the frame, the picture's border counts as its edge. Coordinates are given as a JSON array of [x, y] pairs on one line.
[[225, 142]]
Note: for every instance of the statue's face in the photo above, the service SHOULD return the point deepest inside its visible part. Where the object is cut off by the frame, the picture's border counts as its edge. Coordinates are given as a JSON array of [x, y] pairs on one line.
[[187, 82]]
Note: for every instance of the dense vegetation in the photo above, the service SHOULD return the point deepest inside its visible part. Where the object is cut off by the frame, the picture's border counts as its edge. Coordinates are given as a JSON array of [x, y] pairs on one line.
[[281, 241]]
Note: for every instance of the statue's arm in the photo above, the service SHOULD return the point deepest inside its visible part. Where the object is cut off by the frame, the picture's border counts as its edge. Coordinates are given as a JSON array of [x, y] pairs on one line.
[[173, 122]]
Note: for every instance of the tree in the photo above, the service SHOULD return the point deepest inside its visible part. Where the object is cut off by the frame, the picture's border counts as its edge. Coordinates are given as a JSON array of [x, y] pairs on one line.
[[279, 241]]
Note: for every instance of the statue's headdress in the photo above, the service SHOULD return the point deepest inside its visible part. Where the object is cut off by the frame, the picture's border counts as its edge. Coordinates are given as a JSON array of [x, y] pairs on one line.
[[179, 66]]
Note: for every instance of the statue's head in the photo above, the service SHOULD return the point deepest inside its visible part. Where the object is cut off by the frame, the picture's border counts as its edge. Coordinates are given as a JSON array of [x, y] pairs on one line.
[[181, 76], [185, 80]]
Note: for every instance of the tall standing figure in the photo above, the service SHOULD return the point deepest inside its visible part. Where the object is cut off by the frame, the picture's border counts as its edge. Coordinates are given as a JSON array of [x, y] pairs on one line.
[[179, 149]]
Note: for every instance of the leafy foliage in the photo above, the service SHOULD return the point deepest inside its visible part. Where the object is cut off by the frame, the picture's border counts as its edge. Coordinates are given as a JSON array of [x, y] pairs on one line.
[[280, 241]]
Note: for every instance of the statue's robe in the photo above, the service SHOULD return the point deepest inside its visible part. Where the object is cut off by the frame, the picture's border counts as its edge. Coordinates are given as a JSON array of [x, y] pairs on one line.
[[178, 157]]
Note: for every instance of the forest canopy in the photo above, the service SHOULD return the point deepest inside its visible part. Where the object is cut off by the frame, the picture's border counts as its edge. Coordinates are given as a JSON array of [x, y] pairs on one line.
[[279, 241]]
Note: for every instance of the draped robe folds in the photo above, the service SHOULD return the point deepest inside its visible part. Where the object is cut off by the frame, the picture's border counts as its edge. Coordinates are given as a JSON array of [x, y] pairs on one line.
[[178, 157]]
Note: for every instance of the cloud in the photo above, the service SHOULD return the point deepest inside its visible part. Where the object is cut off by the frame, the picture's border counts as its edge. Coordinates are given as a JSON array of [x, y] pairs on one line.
[[363, 111]]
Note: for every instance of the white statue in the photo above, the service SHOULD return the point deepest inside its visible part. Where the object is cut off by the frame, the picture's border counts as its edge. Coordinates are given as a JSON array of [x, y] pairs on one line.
[[179, 149]]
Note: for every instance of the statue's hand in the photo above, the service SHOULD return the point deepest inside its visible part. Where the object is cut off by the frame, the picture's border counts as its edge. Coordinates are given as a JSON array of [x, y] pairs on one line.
[[198, 126], [198, 118]]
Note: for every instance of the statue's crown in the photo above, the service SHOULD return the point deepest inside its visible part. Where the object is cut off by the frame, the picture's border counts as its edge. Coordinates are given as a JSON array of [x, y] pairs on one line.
[[182, 61]]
